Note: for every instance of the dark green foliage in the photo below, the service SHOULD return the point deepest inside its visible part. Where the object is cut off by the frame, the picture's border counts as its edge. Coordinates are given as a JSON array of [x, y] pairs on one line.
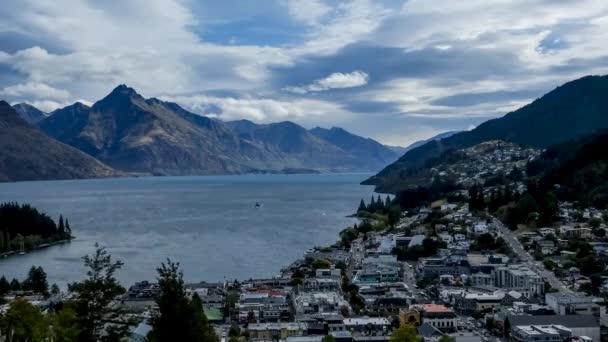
[[15, 285], [5, 286], [92, 296], [36, 281], [179, 318], [476, 198], [487, 242], [18, 221], [428, 248]]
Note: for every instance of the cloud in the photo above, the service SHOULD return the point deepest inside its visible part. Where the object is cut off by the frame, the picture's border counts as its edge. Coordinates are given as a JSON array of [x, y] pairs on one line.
[[262, 109], [35, 90], [307, 11], [336, 80], [433, 64]]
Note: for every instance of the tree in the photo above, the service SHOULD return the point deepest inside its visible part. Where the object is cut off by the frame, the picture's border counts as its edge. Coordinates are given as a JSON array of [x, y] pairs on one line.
[[595, 223], [5, 286], [178, 317], [328, 338], [61, 226], [23, 322], [36, 281], [92, 298], [361, 206], [446, 338], [405, 334], [55, 290], [64, 325], [15, 285]]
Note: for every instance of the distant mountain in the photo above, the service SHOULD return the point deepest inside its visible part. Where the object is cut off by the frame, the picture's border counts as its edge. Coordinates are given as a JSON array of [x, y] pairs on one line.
[[434, 138], [375, 154], [572, 110], [28, 154], [29, 113], [134, 134]]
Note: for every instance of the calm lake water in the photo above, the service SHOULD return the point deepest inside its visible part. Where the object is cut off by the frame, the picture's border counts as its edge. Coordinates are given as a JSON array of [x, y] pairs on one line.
[[209, 224]]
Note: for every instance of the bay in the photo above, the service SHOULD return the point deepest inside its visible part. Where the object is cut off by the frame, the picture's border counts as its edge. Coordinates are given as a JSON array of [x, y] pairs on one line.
[[209, 224]]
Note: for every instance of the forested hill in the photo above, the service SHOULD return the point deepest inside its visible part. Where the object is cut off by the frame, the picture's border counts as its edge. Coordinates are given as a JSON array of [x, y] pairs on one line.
[[24, 223], [573, 110], [576, 170]]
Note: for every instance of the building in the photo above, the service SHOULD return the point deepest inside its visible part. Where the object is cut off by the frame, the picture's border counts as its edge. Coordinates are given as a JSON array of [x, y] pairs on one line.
[[275, 331], [319, 302], [540, 333], [440, 317], [367, 324], [520, 278], [572, 303], [580, 325], [472, 302]]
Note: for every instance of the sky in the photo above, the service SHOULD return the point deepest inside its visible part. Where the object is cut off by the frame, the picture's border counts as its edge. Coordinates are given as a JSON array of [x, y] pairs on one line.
[[397, 71]]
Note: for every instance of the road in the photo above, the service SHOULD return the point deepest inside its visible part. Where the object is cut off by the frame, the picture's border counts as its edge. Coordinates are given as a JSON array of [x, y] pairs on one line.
[[519, 250]]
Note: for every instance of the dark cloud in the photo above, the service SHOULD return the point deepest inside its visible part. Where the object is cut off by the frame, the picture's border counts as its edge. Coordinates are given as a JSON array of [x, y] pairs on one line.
[[386, 63], [472, 99]]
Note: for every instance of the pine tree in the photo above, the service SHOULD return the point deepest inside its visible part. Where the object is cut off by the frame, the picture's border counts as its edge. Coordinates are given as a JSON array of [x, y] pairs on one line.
[[92, 298], [68, 230], [361, 206], [61, 226], [387, 203], [15, 285], [5, 286], [178, 317]]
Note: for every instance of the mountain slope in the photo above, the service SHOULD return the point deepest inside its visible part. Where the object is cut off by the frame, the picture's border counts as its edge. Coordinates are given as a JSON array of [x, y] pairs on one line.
[[29, 113], [131, 133], [570, 111], [27, 154], [375, 154]]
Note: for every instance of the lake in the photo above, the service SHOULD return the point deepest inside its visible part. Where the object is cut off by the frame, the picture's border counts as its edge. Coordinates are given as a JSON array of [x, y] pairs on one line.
[[210, 224]]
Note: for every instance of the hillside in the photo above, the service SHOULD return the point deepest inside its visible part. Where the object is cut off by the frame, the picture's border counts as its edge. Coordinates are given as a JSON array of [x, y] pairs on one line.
[[131, 133], [27, 154], [579, 168], [572, 110], [29, 113]]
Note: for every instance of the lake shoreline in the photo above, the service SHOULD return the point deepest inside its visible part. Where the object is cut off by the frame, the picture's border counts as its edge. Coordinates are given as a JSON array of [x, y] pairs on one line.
[[5, 255]]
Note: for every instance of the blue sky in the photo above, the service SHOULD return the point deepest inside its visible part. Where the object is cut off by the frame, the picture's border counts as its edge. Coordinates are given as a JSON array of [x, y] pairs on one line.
[[396, 71]]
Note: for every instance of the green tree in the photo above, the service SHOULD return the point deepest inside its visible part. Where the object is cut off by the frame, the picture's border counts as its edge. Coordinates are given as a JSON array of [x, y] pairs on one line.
[[595, 223], [328, 338], [15, 285], [178, 317], [446, 338], [92, 298], [5, 286], [36, 281], [361, 206], [64, 325], [61, 226], [55, 290], [23, 322], [405, 334]]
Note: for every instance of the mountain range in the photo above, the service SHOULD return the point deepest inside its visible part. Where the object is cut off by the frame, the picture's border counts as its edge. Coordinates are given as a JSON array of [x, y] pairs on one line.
[[29, 113], [132, 134], [570, 111], [28, 154]]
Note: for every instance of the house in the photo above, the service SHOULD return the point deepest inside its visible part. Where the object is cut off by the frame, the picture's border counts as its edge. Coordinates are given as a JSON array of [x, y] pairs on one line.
[[546, 247], [440, 317]]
